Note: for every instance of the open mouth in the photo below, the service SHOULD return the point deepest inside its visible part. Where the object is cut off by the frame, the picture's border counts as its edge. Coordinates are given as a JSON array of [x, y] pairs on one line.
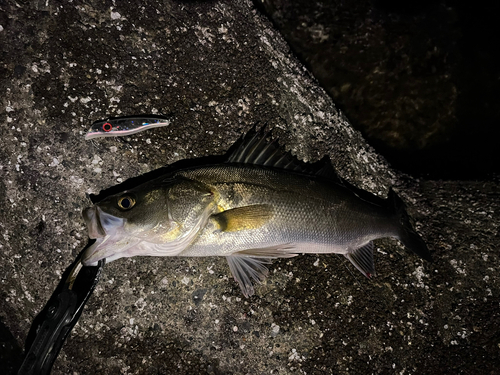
[[107, 230], [91, 216], [99, 223]]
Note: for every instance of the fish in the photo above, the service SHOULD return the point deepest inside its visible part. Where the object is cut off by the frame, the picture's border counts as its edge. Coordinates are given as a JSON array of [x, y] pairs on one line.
[[121, 126], [255, 204]]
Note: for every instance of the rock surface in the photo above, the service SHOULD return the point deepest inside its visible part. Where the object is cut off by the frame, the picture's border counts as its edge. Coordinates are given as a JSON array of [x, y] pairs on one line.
[[217, 68]]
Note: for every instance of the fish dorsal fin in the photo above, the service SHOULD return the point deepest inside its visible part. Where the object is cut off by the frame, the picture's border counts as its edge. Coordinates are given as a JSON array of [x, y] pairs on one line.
[[362, 258], [243, 218], [324, 168], [256, 148]]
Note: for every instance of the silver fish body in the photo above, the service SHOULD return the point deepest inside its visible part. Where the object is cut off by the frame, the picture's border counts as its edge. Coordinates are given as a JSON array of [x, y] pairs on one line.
[[249, 213], [306, 214]]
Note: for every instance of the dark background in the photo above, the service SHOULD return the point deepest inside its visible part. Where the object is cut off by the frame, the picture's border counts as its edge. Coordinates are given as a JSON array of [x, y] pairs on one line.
[[419, 79]]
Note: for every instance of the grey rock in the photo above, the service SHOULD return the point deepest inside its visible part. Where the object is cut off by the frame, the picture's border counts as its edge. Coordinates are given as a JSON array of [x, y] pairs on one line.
[[217, 68]]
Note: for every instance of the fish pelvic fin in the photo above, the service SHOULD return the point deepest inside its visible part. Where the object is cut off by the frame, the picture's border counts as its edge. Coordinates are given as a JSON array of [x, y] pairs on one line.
[[248, 266], [245, 270], [362, 259], [406, 234]]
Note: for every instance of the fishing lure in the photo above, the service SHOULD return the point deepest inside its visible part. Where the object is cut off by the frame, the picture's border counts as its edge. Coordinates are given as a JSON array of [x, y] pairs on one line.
[[120, 126]]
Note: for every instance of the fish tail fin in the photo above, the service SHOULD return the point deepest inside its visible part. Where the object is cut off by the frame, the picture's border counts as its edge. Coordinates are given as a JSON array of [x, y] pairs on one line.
[[406, 234]]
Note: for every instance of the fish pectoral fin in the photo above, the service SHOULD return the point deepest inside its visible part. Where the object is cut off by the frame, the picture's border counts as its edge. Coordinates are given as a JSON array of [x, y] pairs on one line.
[[243, 218], [245, 269], [362, 258]]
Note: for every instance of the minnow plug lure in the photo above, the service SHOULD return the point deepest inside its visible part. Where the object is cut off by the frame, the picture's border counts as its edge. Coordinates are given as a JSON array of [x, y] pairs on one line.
[[120, 126]]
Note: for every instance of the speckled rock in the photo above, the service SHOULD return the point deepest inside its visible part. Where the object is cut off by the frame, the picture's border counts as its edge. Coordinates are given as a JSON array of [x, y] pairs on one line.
[[217, 68]]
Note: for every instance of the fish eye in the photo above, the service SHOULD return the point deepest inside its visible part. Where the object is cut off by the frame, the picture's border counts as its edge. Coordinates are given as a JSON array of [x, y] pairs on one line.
[[126, 202]]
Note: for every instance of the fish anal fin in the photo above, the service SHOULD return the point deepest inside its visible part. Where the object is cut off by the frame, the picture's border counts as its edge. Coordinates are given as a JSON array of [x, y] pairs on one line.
[[362, 259], [243, 218], [247, 270]]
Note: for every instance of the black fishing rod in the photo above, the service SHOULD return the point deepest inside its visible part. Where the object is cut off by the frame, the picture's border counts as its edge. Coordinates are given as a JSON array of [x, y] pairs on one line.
[[53, 324]]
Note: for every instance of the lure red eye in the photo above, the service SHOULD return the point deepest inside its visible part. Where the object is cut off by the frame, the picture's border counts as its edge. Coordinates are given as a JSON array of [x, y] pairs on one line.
[[107, 127]]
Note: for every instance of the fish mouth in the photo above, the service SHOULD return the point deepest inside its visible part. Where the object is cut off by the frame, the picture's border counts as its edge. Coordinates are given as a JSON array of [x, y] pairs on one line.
[[91, 216], [101, 224], [102, 227]]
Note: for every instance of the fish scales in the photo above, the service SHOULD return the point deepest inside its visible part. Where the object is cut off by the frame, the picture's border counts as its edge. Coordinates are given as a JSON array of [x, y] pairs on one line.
[[261, 203], [318, 218]]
